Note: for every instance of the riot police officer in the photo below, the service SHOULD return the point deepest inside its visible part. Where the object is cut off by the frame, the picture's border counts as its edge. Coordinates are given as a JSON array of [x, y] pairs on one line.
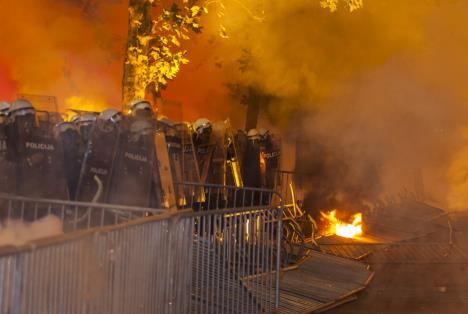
[[84, 122], [133, 169], [36, 154], [141, 109], [68, 135], [5, 164], [251, 163], [270, 153], [101, 148]]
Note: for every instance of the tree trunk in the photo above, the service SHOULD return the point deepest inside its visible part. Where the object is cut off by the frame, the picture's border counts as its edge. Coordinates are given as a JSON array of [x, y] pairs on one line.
[[253, 110], [139, 24], [153, 96]]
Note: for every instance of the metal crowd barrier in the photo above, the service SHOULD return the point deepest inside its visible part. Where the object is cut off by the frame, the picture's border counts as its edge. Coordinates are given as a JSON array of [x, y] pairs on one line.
[[73, 215], [287, 185], [149, 261], [299, 227], [202, 197]]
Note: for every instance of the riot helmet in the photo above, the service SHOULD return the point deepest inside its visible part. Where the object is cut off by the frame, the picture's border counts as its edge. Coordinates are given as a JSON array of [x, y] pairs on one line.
[[85, 119], [263, 134], [22, 107], [203, 129], [85, 122], [63, 127], [141, 109], [4, 108], [23, 114], [253, 135], [202, 125], [108, 120], [111, 115], [165, 121], [69, 134], [4, 111]]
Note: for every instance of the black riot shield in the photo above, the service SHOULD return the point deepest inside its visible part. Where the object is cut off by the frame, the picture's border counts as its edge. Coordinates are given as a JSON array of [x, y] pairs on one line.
[[212, 156], [7, 175], [190, 170], [133, 168], [46, 121], [38, 160], [270, 154], [96, 170], [85, 131], [68, 136], [241, 140], [251, 165]]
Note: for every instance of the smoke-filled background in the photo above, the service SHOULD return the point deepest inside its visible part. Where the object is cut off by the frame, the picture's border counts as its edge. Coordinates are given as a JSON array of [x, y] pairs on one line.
[[18, 232], [376, 97]]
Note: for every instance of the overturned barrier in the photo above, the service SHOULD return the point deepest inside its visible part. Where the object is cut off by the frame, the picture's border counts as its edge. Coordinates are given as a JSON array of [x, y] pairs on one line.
[[114, 259]]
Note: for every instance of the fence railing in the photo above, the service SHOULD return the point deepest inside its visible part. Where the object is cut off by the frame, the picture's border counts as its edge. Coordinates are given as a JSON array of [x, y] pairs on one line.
[[287, 184], [232, 249], [73, 215], [202, 197], [207, 261]]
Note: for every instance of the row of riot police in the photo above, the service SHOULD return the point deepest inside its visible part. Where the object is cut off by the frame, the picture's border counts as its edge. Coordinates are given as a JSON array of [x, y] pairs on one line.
[[138, 159], [30, 159], [242, 159]]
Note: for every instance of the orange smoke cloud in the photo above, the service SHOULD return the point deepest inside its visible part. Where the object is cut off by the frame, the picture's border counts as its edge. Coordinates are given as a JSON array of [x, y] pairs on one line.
[[7, 84], [58, 48], [74, 49]]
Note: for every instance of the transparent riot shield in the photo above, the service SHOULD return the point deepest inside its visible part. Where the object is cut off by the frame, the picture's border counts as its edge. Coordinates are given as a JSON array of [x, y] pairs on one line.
[[96, 170], [205, 148], [38, 161], [68, 136], [233, 167], [176, 160], [190, 170], [163, 183], [133, 168]]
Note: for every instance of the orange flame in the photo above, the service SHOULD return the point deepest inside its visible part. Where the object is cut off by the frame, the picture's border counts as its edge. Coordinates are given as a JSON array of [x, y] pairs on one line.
[[342, 228]]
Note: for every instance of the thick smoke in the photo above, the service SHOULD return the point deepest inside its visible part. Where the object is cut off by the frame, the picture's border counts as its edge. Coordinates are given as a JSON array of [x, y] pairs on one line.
[[63, 48], [376, 97], [18, 232]]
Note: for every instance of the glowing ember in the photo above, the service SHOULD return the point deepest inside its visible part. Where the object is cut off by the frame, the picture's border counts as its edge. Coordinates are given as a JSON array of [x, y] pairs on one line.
[[342, 228]]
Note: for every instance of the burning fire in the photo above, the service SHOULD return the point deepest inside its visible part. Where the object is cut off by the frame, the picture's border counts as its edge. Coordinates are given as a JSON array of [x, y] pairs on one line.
[[343, 228]]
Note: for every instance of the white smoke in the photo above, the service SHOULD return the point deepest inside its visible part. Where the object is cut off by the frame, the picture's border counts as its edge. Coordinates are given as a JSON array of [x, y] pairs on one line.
[[18, 232]]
